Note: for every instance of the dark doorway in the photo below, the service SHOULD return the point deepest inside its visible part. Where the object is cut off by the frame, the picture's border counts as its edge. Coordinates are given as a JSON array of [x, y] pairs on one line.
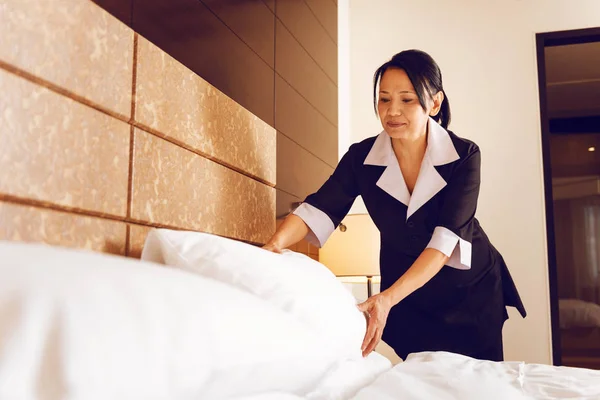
[[569, 84]]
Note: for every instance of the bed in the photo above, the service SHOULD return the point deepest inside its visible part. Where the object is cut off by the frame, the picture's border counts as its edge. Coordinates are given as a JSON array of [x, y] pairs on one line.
[[580, 333], [206, 317], [134, 198], [581, 347]]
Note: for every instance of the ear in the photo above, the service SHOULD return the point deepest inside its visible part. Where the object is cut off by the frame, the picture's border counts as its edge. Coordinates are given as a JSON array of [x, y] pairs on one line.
[[438, 99]]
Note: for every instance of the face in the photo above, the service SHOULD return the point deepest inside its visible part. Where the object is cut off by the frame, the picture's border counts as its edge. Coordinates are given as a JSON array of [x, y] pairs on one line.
[[400, 111]]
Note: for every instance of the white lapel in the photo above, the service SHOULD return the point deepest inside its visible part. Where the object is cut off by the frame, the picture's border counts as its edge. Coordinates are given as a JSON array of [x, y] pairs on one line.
[[391, 181], [440, 151]]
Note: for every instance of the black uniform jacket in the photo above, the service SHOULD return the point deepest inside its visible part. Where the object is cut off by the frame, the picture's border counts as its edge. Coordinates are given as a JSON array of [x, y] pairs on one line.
[[461, 309]]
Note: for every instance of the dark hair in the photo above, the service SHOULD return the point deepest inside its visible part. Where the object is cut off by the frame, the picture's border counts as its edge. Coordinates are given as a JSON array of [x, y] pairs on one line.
[[425, 75]]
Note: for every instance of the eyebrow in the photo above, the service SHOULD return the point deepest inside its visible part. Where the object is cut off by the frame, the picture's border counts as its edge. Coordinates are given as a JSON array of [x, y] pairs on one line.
[[403, 91]]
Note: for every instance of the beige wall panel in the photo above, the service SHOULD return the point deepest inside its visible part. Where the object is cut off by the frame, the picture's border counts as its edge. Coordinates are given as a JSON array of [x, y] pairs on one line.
[[31, 224], [177, 103], [303, 173], [175, 187], [294, 64], [73, 44], [60, 151]]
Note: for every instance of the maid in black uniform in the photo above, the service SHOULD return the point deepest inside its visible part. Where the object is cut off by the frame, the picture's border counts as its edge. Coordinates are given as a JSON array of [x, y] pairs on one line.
[[444, 287]]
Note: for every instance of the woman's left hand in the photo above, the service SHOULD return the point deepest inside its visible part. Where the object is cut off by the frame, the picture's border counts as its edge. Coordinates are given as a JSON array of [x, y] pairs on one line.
[[376, 308]]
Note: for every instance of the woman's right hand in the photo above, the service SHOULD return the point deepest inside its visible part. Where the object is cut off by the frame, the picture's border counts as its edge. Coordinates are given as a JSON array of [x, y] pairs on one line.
[[291, 231], [272, 247]]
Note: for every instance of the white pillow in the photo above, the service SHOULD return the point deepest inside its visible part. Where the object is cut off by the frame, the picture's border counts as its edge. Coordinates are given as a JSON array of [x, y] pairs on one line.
[[78, 325], [574, 313], [292, 281]]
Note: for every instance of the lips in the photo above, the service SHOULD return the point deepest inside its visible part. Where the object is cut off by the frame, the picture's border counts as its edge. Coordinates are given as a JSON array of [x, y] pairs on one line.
[[394, 124]]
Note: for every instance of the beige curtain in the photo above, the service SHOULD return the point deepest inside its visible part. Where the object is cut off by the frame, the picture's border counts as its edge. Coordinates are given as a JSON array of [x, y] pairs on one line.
[[585, 239]]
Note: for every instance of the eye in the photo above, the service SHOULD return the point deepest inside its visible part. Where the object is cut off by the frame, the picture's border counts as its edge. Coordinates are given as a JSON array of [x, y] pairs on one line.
[[407, 100], [384, 100]]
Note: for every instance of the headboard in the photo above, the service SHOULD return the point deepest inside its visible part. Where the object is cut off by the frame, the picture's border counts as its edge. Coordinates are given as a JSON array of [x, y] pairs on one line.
[[103, 136]]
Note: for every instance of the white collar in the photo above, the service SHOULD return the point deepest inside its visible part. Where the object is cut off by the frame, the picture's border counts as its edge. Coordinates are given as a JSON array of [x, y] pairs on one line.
[[440, 151]]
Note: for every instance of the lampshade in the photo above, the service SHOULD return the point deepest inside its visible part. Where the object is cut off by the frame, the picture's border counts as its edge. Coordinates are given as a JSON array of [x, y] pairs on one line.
[[354, 251]]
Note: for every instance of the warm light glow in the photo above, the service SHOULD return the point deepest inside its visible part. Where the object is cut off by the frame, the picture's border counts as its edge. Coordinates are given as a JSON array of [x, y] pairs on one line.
[[592, 148], [355, 251]]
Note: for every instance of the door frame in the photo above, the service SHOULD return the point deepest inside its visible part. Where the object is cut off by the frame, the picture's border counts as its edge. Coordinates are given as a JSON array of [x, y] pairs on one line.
[[543, 40]]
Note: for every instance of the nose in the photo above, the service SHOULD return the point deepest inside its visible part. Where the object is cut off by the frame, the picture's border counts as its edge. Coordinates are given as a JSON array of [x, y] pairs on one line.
[[395, 108]]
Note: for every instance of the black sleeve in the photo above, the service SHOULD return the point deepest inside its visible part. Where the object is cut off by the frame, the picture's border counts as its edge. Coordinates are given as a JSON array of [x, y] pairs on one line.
[[453, 234], [324, 210], [336, 196]]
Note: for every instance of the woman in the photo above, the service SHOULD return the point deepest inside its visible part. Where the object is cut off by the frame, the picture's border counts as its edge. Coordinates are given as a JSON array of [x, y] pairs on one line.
[[444, 287]]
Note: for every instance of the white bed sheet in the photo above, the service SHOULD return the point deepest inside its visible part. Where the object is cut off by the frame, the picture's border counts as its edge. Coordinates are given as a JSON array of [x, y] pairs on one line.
[[444, 376]]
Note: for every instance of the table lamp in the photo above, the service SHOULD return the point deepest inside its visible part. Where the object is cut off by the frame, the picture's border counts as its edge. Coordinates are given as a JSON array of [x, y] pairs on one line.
[[353, 249]]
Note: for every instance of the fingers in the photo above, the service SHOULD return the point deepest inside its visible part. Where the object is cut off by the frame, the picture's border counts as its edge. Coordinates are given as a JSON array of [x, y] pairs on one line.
[[363, 307], [272, 248], [373, 343], [376, 314], [371, 331], [366, 305]]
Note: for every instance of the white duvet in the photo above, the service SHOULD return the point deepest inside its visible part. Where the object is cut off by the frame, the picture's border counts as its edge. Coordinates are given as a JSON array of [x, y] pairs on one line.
[[340, 383], [445, 376], [80, 326]]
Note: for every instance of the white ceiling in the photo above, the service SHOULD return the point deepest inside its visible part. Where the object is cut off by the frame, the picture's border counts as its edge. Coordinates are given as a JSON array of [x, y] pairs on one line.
[[573, 79]]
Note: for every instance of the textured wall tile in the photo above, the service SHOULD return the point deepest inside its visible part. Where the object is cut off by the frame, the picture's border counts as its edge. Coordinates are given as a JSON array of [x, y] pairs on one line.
[[57, 150], [73, 44], [285, 203], [191, 33], [270, 4], [121, 9], [296, 66], [301, 122], [308, 30], [303, 173], [137, 238], [176, 102], [326, 12], [31, 224], [178, 188], [252, 21]]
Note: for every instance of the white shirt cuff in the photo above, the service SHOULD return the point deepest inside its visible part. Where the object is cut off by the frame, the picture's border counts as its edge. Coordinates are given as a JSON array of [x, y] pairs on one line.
[[319, 223], [453, 246]]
